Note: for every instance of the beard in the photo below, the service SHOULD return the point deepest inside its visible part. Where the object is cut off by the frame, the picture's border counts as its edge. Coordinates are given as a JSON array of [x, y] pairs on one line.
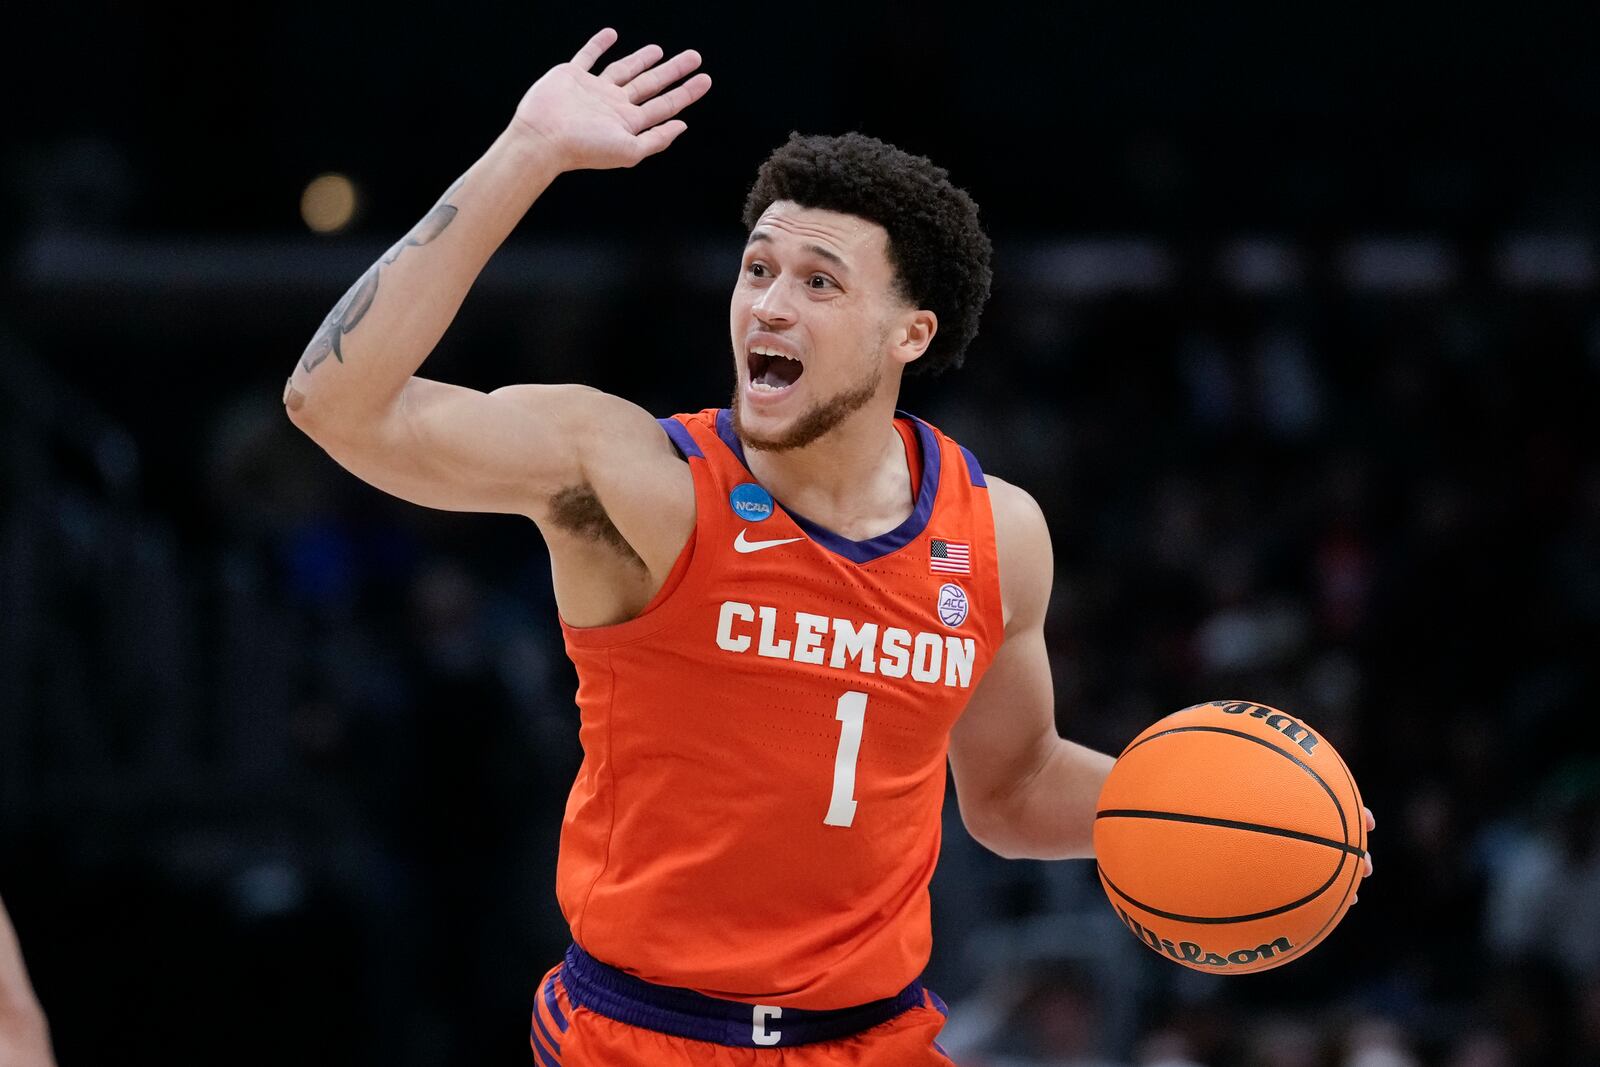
[[824, 416]]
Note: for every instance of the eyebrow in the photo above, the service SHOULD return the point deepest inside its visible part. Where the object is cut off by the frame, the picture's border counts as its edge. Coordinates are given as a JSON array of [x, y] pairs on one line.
[[831, 257]]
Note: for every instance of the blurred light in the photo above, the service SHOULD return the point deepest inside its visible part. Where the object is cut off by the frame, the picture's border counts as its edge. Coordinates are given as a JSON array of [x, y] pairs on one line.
[[1258, 265], [329, 203], [1398, 265], [1092, 268], [272, 887], [1555, 261]]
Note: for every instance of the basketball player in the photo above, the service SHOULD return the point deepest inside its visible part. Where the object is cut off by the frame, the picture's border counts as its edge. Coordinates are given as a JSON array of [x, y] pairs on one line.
[[785, 615], [24, 1035]]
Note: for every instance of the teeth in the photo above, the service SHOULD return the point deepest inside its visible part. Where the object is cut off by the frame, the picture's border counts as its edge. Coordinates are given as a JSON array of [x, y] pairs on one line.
[[761, 351], [763, 387]]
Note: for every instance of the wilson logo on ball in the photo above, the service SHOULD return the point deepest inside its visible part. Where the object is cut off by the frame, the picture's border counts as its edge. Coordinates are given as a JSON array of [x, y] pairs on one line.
[[1192, 954], [1291, 728], [1240, 869]]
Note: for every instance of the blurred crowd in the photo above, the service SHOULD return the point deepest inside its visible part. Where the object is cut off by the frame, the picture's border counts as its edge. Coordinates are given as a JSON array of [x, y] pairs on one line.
[[1298, 350], [287, 758], [1383, 513]]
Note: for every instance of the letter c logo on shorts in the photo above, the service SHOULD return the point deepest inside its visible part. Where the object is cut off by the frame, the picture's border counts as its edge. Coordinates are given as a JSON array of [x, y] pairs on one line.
[[750, 502], [760, 1031]]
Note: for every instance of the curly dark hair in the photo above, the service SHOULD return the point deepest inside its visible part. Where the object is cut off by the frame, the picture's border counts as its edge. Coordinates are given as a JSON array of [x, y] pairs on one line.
[[937, 248]]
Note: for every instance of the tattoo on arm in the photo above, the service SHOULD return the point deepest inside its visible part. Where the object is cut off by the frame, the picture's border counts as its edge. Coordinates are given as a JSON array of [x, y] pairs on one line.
[[431, 226], [344, 317], [354, 305]]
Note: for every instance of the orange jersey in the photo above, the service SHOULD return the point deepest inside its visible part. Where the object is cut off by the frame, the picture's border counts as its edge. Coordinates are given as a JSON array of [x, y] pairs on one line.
[[757, 814]]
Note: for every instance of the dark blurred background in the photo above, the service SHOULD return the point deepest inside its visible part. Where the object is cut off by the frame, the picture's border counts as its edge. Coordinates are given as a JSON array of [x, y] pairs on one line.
[[1294, 336]]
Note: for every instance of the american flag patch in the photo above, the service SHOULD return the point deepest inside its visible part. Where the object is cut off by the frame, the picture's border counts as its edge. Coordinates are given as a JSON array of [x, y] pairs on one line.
[[949, 557]]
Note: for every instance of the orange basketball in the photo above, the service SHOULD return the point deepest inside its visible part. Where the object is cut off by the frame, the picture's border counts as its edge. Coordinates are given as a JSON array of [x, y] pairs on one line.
[[1229, 837]]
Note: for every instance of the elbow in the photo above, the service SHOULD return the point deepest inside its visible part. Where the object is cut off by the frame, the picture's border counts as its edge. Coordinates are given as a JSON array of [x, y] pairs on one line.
[[295, 406], [312, 418], [1011, 833], [1005, 850], [993, 833]]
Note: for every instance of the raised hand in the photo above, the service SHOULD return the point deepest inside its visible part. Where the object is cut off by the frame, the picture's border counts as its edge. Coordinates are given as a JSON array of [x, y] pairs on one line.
[[614, 118]]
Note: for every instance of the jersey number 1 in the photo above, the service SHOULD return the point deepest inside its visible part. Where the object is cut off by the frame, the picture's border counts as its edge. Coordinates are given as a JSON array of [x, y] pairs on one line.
[[852, 715]]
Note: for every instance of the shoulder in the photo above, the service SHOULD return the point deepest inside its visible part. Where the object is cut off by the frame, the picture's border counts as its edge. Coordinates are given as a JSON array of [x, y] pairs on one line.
[[628, 473], [1022, 542], [586, 414], [604, 429]]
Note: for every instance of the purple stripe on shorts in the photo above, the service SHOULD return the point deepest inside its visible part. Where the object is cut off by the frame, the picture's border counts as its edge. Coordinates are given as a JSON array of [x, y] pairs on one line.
[[544, 1032], [684, 1013], [554, 1005], [545, 1059]]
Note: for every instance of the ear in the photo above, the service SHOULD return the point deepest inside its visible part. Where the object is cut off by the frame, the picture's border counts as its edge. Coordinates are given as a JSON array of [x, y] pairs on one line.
[[912, 335]]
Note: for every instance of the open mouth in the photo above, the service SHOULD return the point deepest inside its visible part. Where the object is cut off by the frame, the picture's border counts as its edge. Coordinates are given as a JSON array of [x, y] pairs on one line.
[[770, 371]]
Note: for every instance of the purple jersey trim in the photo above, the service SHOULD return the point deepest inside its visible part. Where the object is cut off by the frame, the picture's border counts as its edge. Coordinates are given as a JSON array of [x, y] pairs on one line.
[[684, 1013], [681, 439], [883, 544], [974, 471]]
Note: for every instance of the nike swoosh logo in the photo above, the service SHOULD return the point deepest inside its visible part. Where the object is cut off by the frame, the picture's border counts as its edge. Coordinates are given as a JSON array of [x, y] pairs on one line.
[[741, 544]]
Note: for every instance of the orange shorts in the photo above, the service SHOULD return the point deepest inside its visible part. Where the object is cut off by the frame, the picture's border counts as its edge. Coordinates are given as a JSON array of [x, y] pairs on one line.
[[564, 1035]]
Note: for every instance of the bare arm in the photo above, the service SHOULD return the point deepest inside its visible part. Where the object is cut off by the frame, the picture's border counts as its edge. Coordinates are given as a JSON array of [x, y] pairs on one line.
[[1025, 792], [355, 389], [24, 1035]]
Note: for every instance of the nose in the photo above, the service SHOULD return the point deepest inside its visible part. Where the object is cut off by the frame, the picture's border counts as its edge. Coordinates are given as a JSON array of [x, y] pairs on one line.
[[774, 308]]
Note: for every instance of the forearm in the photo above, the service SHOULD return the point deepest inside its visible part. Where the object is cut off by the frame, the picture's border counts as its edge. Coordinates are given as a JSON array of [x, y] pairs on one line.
[[24, 1034], [379, 333], [1050, 815]]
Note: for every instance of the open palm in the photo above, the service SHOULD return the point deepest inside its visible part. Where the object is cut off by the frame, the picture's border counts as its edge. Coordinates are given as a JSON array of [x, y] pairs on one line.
[[614, 118]]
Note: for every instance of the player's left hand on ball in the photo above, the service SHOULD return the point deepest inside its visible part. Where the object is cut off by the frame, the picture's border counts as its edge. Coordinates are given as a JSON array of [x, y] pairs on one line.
[[1366, 861]]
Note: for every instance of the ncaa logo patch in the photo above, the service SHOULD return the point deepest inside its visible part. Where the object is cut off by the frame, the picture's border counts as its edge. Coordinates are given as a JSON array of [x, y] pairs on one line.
[[952, 604], [750, 502]]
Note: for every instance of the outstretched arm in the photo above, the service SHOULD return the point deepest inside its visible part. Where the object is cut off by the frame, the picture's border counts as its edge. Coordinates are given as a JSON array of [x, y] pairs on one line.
[[1025, 791], [354, 389], [24, 1035]]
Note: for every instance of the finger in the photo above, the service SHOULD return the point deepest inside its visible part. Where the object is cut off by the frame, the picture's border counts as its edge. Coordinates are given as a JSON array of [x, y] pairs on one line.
[[1366, 862], [590, 54], [628, 68], [657, 138], [1372, 824], [653, 81], [663, 107]]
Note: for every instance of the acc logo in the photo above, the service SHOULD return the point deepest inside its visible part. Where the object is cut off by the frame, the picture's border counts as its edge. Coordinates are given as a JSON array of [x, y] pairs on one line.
[[750, 502], [952, 604]]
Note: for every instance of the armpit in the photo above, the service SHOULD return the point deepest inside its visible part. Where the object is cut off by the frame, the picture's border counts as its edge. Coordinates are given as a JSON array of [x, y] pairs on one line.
[[578, 510]]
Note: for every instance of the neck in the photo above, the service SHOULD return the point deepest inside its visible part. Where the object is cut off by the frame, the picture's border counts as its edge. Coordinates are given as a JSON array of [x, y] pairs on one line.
[[853, 480]]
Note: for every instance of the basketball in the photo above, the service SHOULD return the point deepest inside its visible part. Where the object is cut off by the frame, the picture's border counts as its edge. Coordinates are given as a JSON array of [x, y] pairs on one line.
[[1229, 837]]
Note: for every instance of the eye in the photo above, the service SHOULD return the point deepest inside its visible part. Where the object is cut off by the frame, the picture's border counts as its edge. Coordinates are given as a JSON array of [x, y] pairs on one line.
[[819, 281], [757, 270]]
